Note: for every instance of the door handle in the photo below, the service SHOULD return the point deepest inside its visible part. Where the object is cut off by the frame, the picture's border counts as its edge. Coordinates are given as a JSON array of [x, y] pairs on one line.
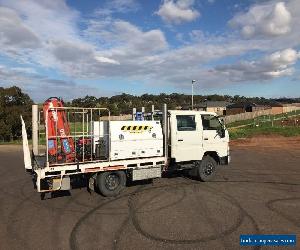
[[180, 139], [206, 139]]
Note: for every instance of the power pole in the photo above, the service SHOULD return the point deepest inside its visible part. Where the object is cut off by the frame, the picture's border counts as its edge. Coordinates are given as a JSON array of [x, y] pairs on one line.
[[193, 81]]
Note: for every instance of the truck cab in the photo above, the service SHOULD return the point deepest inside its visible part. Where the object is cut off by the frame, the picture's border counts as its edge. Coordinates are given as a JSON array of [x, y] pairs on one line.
[[198, 138]]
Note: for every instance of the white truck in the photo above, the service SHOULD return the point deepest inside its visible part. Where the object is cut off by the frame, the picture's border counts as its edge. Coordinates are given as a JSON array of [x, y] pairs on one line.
[[110, 153]]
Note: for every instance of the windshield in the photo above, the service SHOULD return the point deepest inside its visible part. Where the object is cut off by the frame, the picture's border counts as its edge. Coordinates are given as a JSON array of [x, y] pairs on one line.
[[211, 122]]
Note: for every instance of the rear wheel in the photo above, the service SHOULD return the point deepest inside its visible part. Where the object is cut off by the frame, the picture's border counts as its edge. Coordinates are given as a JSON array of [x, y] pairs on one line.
[[111, 183], [207, 168]]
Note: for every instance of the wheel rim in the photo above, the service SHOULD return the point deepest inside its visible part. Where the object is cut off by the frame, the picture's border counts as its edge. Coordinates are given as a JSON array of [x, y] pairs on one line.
[[112, 181], [209, 169]]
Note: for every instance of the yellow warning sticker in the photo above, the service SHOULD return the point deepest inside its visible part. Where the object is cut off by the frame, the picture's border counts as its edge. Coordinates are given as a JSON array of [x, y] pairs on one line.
[[137, 128]]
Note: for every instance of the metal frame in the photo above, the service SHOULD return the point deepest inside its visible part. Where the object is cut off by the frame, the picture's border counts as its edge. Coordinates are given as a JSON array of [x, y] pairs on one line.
[[83, 133]]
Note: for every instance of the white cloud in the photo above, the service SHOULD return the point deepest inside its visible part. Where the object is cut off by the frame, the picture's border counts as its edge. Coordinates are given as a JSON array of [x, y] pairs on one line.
[[283, 58], [41, 87], [271, 19], [277, 64], [123, 39], [197, 35], [117, 48], [47, 19], [13, 33], [272, 23], [67, 51], [106, 60], [49, 29], [177, 12], [152, 40]]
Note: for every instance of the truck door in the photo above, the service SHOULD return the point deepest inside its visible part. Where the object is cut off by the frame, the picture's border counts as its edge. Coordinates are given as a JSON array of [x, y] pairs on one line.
[[212, 139], [187, 139]]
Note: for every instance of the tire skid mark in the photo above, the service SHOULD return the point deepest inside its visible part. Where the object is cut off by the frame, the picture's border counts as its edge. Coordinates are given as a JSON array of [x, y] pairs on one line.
[[182, 197], [135, 221], [55, 232], [256, 182], [11, 227], [80, 222], [101, 199], [141, 189], [14, 181], [50, 207], [270, 205], [14, 194], [150, 188], [211, 222], [189, 183], [12, 218], [254, 223], [282, 186], [55, 227], [118, 234], [155, 209], [229, 198]]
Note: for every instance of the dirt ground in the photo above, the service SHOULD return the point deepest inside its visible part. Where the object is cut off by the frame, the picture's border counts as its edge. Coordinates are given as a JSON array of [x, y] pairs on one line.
[[269, 142], [258, 193]]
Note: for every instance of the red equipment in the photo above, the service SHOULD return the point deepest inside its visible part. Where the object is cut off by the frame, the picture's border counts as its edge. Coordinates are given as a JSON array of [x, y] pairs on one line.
[[58, 131]]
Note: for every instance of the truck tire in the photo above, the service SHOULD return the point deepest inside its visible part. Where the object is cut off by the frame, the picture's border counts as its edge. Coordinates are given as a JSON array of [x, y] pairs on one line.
[[111, 183], [207, 168]]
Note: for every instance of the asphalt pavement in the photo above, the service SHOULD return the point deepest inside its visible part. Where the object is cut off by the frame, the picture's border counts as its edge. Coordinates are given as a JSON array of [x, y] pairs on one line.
[[259, 193]]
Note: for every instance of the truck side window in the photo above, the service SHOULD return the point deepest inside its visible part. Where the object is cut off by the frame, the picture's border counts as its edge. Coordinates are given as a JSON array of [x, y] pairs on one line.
[[186, 122], [210, 122]]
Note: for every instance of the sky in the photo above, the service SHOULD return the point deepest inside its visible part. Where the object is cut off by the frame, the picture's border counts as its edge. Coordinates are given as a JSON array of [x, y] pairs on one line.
[[74, 48]]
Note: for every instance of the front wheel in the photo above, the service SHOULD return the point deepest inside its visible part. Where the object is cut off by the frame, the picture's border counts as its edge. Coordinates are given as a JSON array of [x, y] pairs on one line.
[[111, 183], [207, 168]]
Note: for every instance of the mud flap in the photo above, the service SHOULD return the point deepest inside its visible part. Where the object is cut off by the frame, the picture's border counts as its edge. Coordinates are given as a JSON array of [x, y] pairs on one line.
[[26, 151]]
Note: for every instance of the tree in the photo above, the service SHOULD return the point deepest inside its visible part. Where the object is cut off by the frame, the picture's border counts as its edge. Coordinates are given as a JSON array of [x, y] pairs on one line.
[[13, 103]]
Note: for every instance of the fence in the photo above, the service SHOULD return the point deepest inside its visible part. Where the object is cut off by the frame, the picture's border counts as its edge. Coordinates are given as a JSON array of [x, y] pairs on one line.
[[117, 118], [251, 115], [228, 119], [284, 120], [290, 109]]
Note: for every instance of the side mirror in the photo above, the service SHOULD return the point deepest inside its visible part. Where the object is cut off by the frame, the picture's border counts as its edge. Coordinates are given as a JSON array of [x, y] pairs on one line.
[[221, 132]]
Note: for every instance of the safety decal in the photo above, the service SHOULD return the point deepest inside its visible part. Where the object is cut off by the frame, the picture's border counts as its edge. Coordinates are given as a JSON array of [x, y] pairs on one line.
[[137, 129]]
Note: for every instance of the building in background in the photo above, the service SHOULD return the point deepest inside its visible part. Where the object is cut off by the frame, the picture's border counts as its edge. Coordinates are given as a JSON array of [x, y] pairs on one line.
[[218, 107], [277, 108], [238, 108]]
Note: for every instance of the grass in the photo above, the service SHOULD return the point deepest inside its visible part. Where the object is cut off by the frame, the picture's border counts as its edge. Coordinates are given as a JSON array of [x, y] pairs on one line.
[[262, 118], [285, 115], [239, 123], [266, 129], [13, 142]]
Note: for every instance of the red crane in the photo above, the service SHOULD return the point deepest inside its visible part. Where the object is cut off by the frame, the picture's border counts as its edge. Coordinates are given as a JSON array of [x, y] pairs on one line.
[[58, 130]]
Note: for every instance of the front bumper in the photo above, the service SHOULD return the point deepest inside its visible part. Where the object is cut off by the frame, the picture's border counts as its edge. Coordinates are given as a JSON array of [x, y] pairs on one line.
[[225, 160]]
